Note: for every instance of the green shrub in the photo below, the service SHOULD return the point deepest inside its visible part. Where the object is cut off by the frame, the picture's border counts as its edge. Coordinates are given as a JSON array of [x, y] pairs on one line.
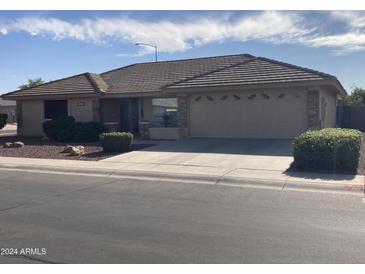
[[53, 127], [88, 132], [327, 149], [116, 141], [3, 120], [65, 129], [68, 134]]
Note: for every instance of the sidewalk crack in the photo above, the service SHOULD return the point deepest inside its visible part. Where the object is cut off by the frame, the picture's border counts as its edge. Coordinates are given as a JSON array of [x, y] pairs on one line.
[[223, 175]]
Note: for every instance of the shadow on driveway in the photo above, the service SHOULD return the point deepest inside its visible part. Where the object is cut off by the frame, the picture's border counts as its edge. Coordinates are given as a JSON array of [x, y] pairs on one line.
[[263, 147]]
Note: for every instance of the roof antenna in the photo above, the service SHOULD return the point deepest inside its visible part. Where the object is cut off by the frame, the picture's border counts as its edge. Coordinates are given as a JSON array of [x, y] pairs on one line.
[[149, 45]]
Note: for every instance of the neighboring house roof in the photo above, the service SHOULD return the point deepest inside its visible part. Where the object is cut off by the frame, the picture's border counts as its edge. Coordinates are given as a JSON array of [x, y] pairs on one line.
[[4, 103], [241, 69]]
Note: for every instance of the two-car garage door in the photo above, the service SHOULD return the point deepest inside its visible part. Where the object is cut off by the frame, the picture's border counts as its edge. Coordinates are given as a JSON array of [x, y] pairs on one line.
[[266, 114]]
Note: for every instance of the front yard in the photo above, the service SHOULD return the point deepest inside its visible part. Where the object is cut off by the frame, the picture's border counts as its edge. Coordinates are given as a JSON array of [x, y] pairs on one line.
[[38, 148]]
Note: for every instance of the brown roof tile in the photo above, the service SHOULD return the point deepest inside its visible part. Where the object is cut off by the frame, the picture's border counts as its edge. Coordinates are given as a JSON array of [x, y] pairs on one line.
[[82, 84], [254, 71], [241, 69], [154, 76]]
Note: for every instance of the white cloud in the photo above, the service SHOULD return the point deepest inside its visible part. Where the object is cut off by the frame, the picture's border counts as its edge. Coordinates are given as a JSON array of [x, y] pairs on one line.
[[181, 35], [168, 35], [354, 19], [346, 42]]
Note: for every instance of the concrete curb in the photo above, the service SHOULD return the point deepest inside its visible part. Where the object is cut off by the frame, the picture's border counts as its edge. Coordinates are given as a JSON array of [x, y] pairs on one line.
[[294, 184]]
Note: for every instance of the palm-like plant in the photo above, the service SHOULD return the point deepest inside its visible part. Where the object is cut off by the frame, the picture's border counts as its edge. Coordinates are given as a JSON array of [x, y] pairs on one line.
[[32, 83]]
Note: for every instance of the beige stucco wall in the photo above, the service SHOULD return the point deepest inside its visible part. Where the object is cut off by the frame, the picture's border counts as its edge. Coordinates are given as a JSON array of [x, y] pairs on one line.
[[328, 108], [33, 114], [248, 118], [32, 118], [81, 109]]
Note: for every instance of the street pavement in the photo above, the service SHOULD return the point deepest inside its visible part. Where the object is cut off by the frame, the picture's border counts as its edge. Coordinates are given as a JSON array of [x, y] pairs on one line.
[[84, 219]]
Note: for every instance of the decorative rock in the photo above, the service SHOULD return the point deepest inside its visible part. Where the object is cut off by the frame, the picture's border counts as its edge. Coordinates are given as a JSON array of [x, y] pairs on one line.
[[81, 148], [77, 151], [45, 138], [67, 149], [17, 144], [7, 145]]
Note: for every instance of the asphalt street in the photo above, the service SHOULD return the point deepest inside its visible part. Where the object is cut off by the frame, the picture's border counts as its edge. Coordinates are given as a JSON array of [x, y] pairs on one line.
[[82, 219]]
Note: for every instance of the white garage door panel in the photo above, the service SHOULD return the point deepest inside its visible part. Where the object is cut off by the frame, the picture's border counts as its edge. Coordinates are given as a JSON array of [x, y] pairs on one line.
[[248, 118]]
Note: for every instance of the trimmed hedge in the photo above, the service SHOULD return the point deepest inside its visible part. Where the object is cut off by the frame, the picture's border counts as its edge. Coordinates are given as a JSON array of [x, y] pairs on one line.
[[88, 132], [116, 141], [65, 129], [327, 149], [53, 127], [3, 120]]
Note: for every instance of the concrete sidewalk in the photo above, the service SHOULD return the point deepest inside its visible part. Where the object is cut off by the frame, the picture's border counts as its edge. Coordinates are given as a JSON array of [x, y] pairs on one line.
[[234, 177]]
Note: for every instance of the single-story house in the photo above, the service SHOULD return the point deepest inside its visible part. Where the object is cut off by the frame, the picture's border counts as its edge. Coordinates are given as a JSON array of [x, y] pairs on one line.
[[233, 96], [9, 108]]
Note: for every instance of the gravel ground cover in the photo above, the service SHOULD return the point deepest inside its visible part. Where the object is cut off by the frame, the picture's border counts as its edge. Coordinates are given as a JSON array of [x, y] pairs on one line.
[[37, 148]]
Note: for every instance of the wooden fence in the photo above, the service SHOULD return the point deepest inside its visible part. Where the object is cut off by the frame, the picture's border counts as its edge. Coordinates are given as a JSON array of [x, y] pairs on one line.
[[351, 117]]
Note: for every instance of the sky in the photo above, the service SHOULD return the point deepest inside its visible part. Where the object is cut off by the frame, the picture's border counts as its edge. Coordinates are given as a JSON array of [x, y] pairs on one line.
[[57, 44]]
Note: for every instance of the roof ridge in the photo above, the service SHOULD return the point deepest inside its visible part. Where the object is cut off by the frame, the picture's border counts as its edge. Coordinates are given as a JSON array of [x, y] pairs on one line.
[[94, 83], [120, 68], [210, 72], [44, 84], [297, 67], [181, 60]]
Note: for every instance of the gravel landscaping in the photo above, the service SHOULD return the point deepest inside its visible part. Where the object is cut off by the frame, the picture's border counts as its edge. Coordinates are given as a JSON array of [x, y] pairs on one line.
[[37, 148]]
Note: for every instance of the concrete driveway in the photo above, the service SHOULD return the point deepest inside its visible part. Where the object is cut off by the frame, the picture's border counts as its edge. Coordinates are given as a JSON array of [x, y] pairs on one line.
[[229, 153]]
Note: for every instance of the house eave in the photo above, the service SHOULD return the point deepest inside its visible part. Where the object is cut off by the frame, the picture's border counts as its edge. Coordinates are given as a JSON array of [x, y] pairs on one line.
[[45, 96], [134, 94], [314, 83]]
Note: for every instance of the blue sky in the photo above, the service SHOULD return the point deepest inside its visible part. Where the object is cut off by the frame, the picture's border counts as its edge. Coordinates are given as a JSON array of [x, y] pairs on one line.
[[56, 44]]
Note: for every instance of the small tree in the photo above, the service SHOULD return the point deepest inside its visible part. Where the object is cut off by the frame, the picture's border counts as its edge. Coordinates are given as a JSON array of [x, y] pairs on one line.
[[32, 83], [356, 98]]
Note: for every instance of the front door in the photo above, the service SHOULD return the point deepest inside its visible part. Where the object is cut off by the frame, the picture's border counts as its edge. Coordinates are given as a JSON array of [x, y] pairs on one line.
[[129, 115]]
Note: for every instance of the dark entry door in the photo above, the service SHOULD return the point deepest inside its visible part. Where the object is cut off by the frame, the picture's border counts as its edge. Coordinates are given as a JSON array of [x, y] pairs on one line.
[[129, 115]]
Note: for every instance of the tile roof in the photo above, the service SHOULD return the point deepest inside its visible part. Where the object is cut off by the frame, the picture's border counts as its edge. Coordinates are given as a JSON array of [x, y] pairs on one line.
[[240, 69], [85, 83], [154, 76], [254, 71]]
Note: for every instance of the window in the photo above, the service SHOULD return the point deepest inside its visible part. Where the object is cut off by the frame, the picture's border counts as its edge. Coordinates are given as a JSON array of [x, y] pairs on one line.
[[164, 112], [55, 108]]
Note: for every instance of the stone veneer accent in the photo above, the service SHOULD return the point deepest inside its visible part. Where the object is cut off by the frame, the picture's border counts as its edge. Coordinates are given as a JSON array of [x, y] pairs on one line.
[[313, 113], [19, 117], [182, 114], [96, 112], [144, 129]]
